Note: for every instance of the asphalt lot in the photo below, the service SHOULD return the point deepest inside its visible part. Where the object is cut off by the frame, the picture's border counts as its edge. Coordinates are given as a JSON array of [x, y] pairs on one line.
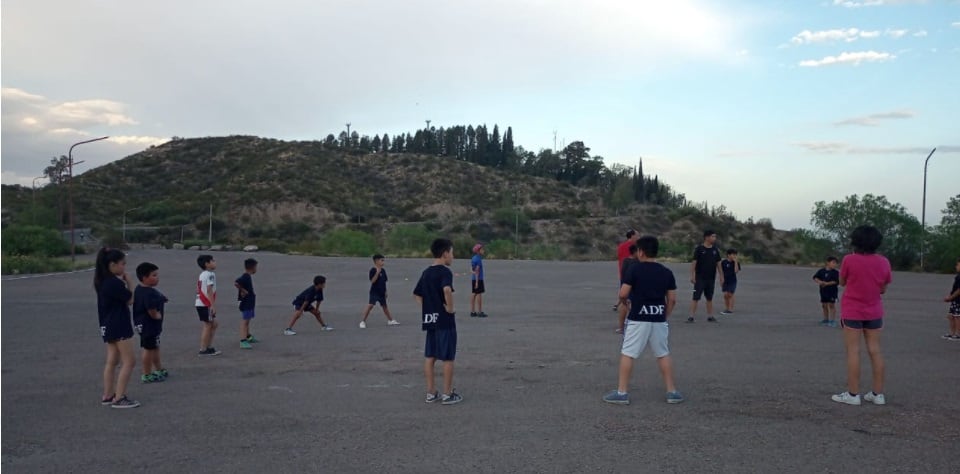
[[758, 383]]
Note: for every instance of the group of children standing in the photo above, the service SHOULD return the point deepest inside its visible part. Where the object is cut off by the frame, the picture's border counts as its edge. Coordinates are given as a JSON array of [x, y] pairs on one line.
[[115, 295]]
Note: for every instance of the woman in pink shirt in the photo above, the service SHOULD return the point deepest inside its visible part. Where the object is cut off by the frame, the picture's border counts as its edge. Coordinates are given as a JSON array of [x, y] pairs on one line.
[[865, 276]]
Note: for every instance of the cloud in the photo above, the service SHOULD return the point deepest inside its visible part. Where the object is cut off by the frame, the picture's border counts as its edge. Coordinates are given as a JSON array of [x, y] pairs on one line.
[[896, 33], [831, 148], [854, 59], [36, 128], [874, 3], [920, 34], [824, 36], [873, 120], [955, 24]]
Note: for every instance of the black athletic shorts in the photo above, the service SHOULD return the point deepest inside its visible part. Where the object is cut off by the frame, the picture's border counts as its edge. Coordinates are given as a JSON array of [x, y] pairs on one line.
[[705, 288], [441, 344], [203, 313], [479, 289], [150, 341], [858, 324]]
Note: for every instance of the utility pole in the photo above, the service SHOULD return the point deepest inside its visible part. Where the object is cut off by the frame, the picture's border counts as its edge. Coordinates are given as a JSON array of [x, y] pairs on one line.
[[210, 232], [70, 163], [554, 140], [428, 124]]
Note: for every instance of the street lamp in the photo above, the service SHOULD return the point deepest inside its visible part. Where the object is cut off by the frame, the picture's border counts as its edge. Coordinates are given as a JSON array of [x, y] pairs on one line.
[[125, 223], [70, 163], [923, 210], [34, 213]]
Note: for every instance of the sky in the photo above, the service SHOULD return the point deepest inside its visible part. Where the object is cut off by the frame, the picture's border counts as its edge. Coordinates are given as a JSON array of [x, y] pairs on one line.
[[764, 107]]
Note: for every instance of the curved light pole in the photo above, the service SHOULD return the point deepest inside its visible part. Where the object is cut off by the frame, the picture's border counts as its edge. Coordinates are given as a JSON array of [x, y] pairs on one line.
[[70, 163], [125, 223], [923, 210], [34, 213]]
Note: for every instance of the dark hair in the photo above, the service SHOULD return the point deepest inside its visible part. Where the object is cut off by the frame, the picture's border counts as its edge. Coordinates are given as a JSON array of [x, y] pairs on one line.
[[866, 239], [708, 233], [649, 245], [249, 263], [377, 256], [631, 233], [731, 251], [203, 260], [319, 279], [633, 249], [440, 246], [831, 258], [145, 269], [102, 270]]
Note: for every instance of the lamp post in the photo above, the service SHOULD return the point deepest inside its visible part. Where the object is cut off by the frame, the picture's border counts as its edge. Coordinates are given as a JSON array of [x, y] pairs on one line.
[[125, 223], [70, 163], [923, 210], [34, 213]]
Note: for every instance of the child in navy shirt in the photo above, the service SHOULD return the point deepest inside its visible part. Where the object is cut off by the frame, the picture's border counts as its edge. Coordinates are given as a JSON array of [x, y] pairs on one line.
[[378, 292], [148, 317], [112, 285], [730, 268], [304, 302], [828, 278], [434, 294], [248, 301]]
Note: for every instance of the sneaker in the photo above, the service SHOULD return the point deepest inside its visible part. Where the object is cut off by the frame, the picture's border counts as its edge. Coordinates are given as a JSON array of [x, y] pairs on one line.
[[711, 319], [845, 397], [876, 398], [833, 324], [690, 319], [162, 373], [726, 312], [393, 322], [674, 397], [107, 401], [289, 332], [616, 398], [947, 336], [451, 399], [363, 325], [245, 345], [955, 338], [210, 351], [251, 339], [473, 314], [150, 378], [432, 397], [125, 402], [824, 322], [481, 314], [326, 328]]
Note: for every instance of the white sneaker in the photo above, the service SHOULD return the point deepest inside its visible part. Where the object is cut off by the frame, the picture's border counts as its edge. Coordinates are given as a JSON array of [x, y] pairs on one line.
[[363, 325], [326, 328], [289, 332], [393, 322], [876, 398], [845, 397]]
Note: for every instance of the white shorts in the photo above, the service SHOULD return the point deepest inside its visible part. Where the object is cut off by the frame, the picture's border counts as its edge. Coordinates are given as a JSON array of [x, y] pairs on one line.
[[638, 333]]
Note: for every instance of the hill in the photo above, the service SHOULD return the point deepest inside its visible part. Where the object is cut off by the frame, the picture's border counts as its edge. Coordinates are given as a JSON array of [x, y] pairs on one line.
[[289, 195]]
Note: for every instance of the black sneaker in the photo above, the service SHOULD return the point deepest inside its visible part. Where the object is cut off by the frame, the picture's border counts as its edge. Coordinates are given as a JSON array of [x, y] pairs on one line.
[[711, 319], [125, 402], [451, 399], [473, 314], [726, 312], [690, 319], [481, 314], [210, 351]]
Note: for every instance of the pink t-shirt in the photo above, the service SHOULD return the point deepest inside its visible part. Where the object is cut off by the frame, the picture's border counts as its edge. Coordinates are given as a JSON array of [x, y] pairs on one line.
[[866, 276]]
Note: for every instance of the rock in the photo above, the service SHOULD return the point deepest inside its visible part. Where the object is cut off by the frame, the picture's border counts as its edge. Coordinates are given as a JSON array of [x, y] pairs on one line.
[[178, 246], [194, 247], [251, 248], [216, 247]]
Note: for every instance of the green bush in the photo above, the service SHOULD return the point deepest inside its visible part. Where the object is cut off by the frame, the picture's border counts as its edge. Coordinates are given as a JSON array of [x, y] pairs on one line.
[[26, 264], [501, 248], [409, 240], [347, 243], [33, 240], [543, 252]]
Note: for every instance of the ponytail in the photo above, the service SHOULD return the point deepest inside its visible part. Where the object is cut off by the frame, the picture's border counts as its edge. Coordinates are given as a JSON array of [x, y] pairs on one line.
[[105, 257]]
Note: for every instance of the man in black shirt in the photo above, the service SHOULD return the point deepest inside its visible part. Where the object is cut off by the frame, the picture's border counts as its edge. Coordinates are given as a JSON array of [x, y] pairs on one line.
[[703, 274]]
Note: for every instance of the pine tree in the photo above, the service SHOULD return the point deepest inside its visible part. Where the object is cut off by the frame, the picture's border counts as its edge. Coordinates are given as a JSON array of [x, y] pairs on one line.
[[385, 143]]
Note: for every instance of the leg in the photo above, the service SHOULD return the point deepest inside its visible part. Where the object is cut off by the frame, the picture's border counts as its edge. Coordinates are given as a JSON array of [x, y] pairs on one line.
[[826, 310], [447, 377], [213, 330], [147, 361], [872, 336], [156, 359], [693, 307], [316, 314], [366, 312], [386, 311], [296, 316], [833, 311], [623, 379], [666, 370], [110, 369], [727, 297], [473, 303], [428, 374], [851, 340], [127, 361], [244, 329], [479, 302], [954, 325], [733, 301], [205, 335]]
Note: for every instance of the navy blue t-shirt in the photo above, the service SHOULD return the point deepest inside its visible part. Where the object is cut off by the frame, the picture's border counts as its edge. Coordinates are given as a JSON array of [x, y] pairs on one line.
[[956, 286], [649, 283], [729, 270], [707, 259], [308, 296], [249, 301], [378, 287], [112, 301], [828, 276], [145, 299], [430, 288]]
